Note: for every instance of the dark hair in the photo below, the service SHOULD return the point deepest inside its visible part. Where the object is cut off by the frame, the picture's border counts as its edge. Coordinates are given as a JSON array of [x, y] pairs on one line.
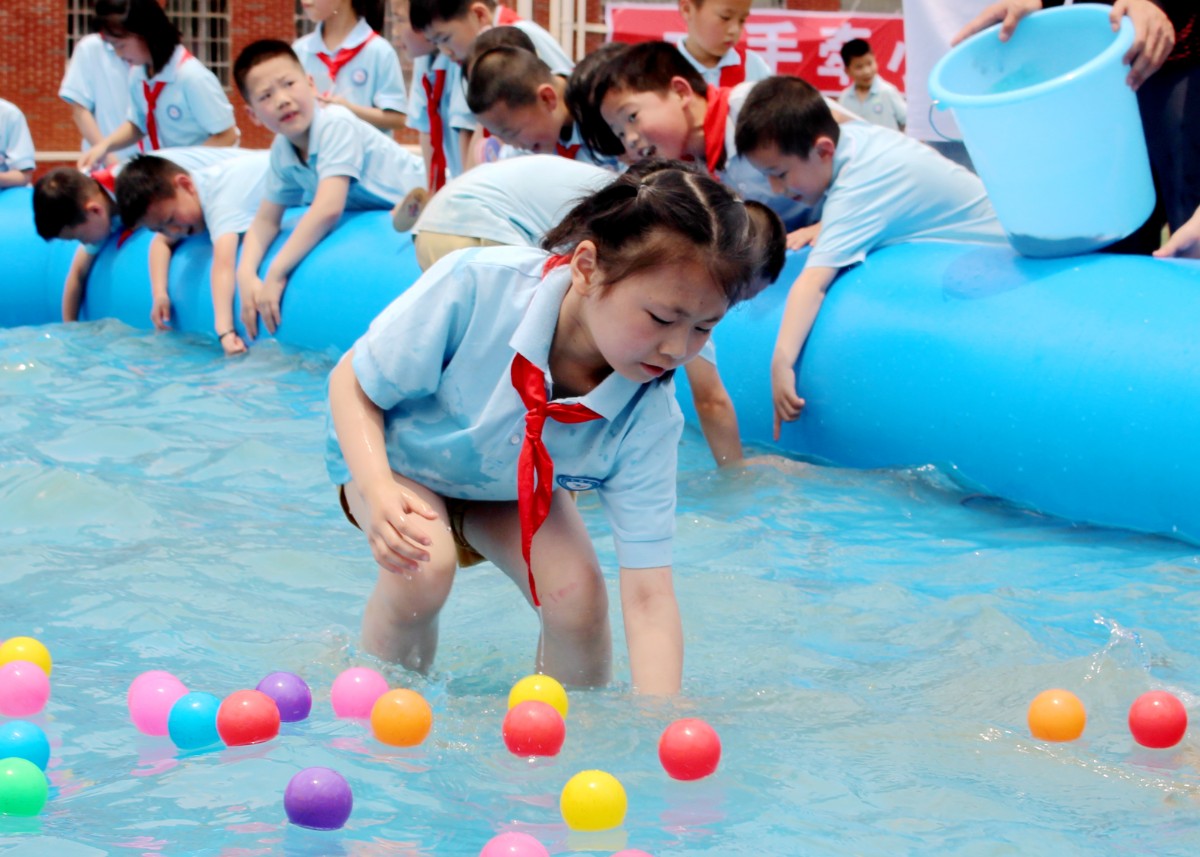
[[256, 53], [143, 18], [496, 37], [854, 49], [664, 213], [768, 242], [787, 112], [585, 108], [646, 67], [370, 11], [505, 75], [58, 200], [142, 182], [422, 13]]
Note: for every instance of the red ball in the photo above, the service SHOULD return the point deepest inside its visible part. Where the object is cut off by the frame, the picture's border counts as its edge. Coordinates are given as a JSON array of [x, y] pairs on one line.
[[1157, 719], [533, 728], [247, 717], [689, 749]]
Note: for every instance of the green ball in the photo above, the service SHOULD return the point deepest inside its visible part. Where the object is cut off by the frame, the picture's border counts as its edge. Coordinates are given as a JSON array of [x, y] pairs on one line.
[[23, 787]]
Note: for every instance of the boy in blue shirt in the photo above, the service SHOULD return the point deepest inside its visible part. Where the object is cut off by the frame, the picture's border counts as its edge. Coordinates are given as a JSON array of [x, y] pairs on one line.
[[323, 157], [453, 25], [16, 147], [870, 97]]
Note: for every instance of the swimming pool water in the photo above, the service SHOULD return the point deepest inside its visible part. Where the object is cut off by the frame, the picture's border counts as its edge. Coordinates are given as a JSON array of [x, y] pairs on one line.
[[866, 643]]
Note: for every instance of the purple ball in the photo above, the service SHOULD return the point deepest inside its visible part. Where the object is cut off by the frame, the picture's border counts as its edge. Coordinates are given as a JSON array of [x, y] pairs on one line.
[[318, 798], [291, 695]]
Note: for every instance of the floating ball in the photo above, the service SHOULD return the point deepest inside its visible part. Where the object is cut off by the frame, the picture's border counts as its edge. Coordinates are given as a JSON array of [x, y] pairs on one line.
[[291, 693], [543, 688], [192, 723], [533, 728], [24, 689], [1056, 715], [150, 698], [24, 740], [1157, 719], [318, 798], [401, 718], [689, 749], [593, 801], [355, 691], [23, 787], [26, 649], [247, 717], [514, 844]]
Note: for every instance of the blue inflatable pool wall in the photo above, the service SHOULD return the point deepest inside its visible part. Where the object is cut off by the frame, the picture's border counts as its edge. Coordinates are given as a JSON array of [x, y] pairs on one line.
[[1069, 386]]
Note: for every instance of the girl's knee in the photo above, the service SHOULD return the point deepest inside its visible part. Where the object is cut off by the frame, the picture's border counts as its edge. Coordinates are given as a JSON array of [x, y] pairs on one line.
[[416, 597]]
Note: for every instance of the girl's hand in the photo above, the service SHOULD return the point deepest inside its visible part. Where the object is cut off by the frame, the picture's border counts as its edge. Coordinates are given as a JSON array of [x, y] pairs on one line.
[[783, 392], [160, 312], [232, 344], [803, 237], [397, 542], [248, 289], [268, 297]]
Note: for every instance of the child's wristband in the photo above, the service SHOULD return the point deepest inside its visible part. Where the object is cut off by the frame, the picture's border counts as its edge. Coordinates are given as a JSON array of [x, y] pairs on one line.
[[221, 336]]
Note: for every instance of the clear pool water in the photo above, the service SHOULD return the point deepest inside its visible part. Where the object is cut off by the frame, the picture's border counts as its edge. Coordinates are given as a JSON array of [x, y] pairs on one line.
[[866, 643]]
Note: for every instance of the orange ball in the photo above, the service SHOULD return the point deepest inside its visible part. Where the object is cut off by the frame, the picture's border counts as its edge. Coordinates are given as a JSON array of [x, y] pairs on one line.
[[401, 718], [1056, 715]]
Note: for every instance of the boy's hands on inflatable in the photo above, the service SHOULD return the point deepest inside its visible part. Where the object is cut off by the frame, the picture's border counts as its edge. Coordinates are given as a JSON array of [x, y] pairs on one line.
[[160, 312], [803, 237], [268, 298], [398, 542], [248, 288], [1185, 241], [788, 403]]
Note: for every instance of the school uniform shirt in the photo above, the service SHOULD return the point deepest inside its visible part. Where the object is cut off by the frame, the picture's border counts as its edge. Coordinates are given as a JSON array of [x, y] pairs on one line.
[[437, 362], [452, 109], [98, 81], [230, 192], [890, 189], [732, 69], [371, 78], [548, 49], [190, 107], [514, 201], [884, 105], [16, 143], [381, 171]]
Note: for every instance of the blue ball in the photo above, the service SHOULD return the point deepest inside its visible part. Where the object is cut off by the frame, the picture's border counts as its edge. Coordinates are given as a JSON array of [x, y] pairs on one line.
[[192, 723], [24, 740]]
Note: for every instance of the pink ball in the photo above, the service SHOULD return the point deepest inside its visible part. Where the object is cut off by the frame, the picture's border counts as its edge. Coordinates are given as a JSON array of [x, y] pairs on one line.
[[150, 698], [355, 691], [24, 689], [689, 749], [514, 844]]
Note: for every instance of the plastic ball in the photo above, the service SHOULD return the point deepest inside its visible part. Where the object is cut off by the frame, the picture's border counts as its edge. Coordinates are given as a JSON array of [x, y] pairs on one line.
[[355, 691], [1157, 719], [23, 787], [26, 649], [689, 749], [593, 801], [24, 740], [533, 728], [1056, 715], [150, 698], [543, 688], [192, 723], [401, 718], [291, 694], [318, 798], [247, 717], [24, 689], [514, 844]]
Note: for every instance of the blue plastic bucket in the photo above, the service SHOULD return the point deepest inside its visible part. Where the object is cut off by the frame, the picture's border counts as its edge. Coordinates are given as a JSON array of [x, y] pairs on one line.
[[1052, 128]]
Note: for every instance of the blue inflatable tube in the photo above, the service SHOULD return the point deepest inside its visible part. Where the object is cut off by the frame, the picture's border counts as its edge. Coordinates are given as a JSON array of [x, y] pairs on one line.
[[1070, 386]]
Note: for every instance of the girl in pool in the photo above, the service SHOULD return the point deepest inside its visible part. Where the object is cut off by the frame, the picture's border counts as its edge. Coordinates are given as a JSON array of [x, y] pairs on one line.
[[507, 377]]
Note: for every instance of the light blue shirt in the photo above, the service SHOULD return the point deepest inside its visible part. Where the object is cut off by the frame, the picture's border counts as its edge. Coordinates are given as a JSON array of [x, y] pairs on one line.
[[16, 143], [230, 192], [756, 66], [371, 79], [98, 81], [453, 110], [890, 189], [548, 49], [884, 105], [513, 201], [381, 171], [191, 106], [437, 362]]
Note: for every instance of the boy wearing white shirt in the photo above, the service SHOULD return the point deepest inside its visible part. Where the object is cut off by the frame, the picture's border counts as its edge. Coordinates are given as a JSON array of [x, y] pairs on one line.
[[16, 147], [96, 85], [711, 45]]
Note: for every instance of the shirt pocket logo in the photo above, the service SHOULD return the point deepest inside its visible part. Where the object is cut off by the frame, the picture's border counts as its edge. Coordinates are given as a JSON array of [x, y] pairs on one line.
[[359, 77], [579, 483], [175, 112]]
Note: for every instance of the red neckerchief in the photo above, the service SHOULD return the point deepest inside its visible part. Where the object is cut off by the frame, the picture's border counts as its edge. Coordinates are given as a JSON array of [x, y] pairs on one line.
[[506, 17], [535, 468], [151, 93], [715, 119], [437, 140], [732, 75], [566, 151], [342, 56]]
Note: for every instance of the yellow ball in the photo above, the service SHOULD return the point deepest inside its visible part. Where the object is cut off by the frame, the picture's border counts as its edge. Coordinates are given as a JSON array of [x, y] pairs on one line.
[[401, 718], [593, 801], [26, 649], [541, 688], [1056, 715]]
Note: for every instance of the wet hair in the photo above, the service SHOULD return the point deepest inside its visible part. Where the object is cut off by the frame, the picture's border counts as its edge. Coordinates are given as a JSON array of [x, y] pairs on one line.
[[504, 75], [854, 49], [660, 214], [597, 137], [423, 13], [144, 18], [255, 54], [768, 242], [786, 112], [370, 11], [59, 198], [145, 180]]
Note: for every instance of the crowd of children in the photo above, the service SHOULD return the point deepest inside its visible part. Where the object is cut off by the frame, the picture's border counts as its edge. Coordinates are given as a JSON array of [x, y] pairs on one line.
[[636, 199]]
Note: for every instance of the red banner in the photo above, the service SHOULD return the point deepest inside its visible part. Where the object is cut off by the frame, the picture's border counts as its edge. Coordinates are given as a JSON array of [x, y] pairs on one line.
[[805, 44]]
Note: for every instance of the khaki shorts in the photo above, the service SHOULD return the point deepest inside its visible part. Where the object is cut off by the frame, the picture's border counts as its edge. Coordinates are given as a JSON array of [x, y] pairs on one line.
[[432, 246], [455, 509]]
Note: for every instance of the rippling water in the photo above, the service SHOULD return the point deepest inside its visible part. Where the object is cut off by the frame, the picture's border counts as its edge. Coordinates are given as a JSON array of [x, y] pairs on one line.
[[865, 642]]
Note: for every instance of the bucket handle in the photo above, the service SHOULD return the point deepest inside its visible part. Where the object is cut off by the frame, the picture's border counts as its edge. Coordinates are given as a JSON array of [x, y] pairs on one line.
[[934, 126]]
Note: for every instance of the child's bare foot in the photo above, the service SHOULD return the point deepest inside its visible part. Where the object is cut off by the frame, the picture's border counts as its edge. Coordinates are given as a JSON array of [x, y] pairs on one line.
[[232, 344], [407, 210]]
